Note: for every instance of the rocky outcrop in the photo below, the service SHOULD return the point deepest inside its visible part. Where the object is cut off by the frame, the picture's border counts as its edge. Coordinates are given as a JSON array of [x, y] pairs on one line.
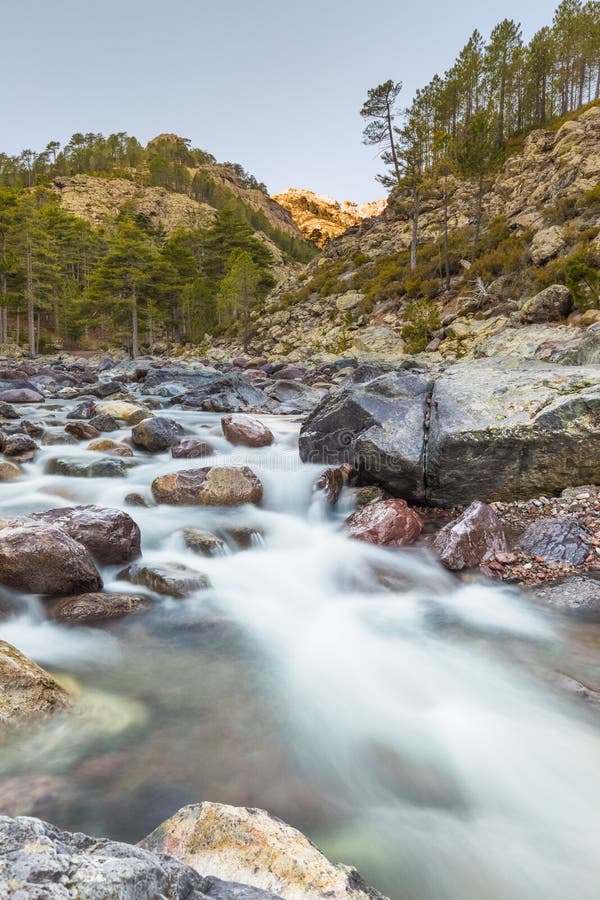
[[480, 430], [209, 486], [27, 692], [41, 558], [250, 846], [39, 861], [550, 305], [100, 200], [321, 218]]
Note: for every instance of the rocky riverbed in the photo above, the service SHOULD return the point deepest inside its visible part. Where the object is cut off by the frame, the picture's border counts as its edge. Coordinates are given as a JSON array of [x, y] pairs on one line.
[[191, 609]]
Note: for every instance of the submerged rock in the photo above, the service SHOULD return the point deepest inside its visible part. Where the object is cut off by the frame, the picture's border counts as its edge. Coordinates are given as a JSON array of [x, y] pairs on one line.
[[41, 558], [103, 468], [469, 540], [9, 470], [170, 580], [209, 486], [387, 523], [253, 847], [576, 596], [91, 609], [39, 861], [245, 431], [27, 692], [191, 448], [204, 542]]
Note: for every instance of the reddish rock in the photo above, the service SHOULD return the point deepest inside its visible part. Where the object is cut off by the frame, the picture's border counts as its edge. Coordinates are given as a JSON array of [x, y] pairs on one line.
[[191, 448], [388, 523], [471, 539], [110, 535], [83, 431], [244, 431]]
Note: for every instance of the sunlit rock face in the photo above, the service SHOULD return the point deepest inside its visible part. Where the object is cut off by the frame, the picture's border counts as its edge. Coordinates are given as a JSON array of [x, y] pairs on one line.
[[322, 218]]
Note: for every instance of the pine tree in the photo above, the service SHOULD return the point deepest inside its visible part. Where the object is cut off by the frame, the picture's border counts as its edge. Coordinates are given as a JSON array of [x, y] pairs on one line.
[[238, 293], [379, 109]]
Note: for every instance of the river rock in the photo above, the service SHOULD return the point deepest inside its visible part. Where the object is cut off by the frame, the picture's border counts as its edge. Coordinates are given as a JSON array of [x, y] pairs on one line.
[[91, 609], [550, 305], [293, 397], [171, 580], [9, 470], [21, 395], [103, 468], [131, 413], [245, 431], [575, 596], [103, 422], [156, 434], [40, 558], [208, 486], [387, 523], [26, 692], [21, 446], [377, 427], [105, 445], [7, 411], [39, 862], [511, 430], [227, 394], [204, 542], [84, 410], [555, 540], [82, 431], [191, 448], [469, 540], [253, 847], [110, 535]]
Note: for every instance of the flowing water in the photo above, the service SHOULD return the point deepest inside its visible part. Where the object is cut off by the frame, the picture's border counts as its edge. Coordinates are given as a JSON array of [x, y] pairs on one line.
[[410, 724]]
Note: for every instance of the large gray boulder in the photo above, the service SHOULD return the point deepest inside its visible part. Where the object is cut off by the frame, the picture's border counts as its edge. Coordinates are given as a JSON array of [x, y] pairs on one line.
[[550, 305], [110, 535], [503, 430], [40, 862], [378, 427], [483, 430]]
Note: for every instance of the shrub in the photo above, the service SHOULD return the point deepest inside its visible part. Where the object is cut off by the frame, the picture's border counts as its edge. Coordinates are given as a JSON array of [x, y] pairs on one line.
[[421, 320]]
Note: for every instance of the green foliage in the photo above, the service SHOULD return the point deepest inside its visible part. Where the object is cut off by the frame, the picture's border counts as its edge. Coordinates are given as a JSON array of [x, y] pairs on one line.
[[583, 280], [420, 320]]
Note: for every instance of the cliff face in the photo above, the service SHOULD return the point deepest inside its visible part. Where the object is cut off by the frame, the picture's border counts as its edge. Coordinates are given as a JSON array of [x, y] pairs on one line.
[[321, 218], [354, 298], [99, 201]]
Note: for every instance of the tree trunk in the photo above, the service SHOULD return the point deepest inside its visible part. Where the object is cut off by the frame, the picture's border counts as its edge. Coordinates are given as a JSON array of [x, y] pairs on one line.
[[135, 351], [30, 303], [390, 129], [446, 243], [478, 218], [415, 229]]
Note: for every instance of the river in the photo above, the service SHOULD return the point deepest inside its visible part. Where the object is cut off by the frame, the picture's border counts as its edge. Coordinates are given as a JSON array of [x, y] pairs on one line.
[[410, 724]]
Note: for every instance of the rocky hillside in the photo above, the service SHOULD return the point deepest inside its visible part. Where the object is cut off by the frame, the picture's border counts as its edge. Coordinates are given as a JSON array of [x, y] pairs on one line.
[[100, 200], [321, 218], [541, 228]]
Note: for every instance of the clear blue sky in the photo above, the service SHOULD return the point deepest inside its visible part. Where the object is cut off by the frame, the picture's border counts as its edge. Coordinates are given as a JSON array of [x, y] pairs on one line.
[[272, 84]]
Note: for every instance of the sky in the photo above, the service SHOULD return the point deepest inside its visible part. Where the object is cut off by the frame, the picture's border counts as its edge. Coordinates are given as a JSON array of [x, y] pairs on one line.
[[272, 84]]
